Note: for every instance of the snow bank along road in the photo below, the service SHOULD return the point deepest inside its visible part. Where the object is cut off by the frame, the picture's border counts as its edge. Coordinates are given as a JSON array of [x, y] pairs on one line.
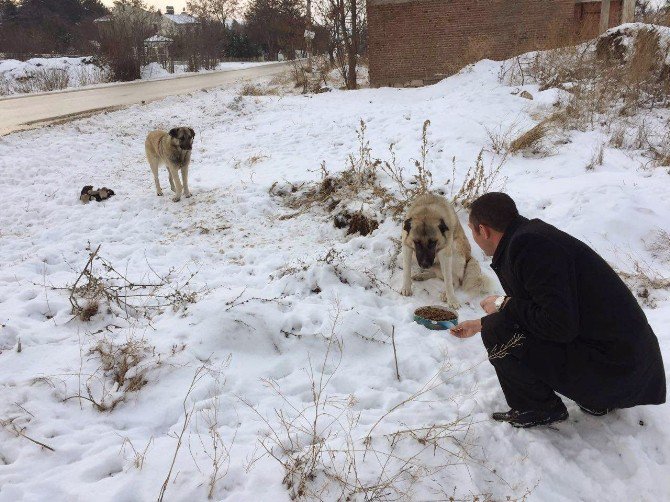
[[29, 112]]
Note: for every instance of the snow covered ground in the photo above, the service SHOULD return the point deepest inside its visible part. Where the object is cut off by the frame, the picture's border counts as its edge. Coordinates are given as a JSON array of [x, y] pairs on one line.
[[46, 74], [274, 287], [155, 70]]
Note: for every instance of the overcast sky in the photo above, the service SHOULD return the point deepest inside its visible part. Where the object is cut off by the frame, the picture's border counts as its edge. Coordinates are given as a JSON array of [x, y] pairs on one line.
[[159, 4]]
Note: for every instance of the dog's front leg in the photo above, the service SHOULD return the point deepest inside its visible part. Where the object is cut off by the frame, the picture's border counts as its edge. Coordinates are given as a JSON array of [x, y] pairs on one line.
[[184, 177], [174, 173], [154, 170], [406, 270], [449, 295]]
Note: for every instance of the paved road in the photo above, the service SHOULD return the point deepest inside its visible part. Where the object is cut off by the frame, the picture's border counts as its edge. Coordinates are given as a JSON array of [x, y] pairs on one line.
[[28, 112]]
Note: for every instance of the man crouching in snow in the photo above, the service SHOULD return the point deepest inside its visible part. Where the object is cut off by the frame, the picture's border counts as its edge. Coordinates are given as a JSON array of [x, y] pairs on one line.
[[583, 333]]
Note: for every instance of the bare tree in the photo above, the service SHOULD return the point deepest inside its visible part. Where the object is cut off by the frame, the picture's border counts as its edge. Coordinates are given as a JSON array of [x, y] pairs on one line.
[[122, 37], [345, 20], [215, 10]]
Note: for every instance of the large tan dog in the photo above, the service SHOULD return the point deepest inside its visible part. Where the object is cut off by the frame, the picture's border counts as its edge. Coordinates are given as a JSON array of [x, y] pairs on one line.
[[173, 149], [432, 230]]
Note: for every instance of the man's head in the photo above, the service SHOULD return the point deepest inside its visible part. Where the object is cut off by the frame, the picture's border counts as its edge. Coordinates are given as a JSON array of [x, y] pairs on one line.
[[490, 215]]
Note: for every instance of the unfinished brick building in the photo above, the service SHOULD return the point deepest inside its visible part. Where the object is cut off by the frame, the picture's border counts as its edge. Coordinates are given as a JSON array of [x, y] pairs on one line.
[[417, 42]]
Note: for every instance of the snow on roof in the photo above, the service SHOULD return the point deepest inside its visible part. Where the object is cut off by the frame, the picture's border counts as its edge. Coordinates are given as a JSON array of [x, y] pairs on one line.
[[157, 39], [103, 19], [181, 18]]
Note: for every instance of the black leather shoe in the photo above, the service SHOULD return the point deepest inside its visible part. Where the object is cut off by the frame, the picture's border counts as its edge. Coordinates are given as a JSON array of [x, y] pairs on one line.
[[526, 419], [596, 412]]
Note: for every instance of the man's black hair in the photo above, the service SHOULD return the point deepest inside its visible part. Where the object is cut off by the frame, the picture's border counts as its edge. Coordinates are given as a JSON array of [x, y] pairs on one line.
[[494, 209]]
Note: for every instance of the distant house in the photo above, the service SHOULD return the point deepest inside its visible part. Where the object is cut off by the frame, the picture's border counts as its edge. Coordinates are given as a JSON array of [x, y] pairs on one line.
[[172, 23], [166, 25], [417, 42]]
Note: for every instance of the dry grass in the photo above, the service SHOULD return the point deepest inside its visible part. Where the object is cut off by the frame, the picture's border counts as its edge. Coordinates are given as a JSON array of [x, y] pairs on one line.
[[122, 362], [618, 136], [597, 158], [359, 185], [121, 369], [44, 80], [660, 246], [608, 80], [258, 90], [529, 138], [480, 178], [138, 456], [644, 280], [500, 140]]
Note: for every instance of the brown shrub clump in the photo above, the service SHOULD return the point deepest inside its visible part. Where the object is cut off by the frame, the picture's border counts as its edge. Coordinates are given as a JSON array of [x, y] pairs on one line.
[[361, 224]]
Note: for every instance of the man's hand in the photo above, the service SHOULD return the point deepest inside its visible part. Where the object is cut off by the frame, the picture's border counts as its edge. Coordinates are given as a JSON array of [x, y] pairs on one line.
[[488, 304], [466, 329]]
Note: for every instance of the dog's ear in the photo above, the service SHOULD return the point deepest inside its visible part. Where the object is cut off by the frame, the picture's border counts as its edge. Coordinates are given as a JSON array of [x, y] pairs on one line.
[[173, 132], [192, 132], [443, 227], [407, 226]]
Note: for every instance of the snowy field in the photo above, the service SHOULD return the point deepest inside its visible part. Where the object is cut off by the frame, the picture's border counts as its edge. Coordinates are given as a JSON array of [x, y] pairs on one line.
[[47, 74], [279, 295]]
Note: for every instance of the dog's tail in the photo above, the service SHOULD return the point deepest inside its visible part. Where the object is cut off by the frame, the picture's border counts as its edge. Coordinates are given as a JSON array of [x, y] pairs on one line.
[[474, 280]]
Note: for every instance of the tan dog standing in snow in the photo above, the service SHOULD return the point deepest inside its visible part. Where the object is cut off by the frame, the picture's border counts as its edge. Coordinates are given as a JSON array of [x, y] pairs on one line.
[[173, 149], [432, 231]]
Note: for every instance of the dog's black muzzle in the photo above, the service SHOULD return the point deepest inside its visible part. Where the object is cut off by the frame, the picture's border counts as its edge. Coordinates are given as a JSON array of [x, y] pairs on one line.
[[425, 257]]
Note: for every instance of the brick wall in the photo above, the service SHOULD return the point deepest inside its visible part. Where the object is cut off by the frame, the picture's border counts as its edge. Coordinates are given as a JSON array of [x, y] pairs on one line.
[[587, 17], [414, 42]]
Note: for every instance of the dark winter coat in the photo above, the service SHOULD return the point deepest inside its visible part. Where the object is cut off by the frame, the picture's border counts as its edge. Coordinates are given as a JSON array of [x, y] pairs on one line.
[[585, 334]]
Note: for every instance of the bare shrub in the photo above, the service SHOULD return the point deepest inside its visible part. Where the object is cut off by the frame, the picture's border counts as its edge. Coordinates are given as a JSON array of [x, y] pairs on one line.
[[252, 90], [323, 456], [528, 139], [121, 369], [199, 374], [91, 75], [597, 158], [52, 79], [614, 77], [641, 137], [300, 75], [660, 246], [500, 140], [101, 284], [270, 89], [11, 425], [618, 137], [213, 446], [138, 456], [479, 179], [43, 80], [421, 182], [644, 280], [357, 185], [312, 79]]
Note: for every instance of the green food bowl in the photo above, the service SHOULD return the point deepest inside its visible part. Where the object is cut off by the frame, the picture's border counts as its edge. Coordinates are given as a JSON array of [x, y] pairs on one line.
[[426, 317]]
